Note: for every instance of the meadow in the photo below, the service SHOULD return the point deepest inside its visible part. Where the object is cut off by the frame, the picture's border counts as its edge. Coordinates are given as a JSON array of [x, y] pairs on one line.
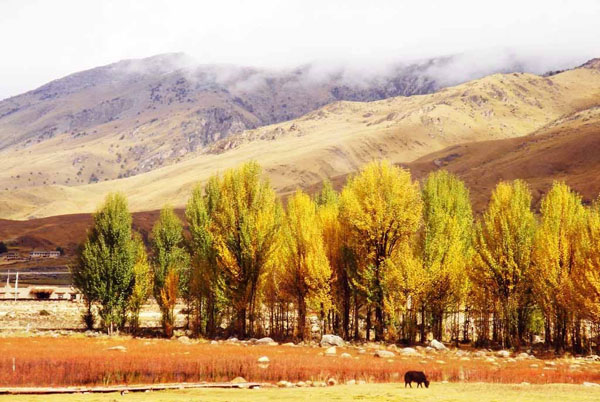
[[472, 392], [79, 360]]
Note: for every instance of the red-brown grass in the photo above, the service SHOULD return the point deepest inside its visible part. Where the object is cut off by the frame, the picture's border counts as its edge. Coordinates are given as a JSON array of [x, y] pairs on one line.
[[82, 361]]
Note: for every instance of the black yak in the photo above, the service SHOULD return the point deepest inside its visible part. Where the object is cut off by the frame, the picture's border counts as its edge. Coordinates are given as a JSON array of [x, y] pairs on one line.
[[415, 376]]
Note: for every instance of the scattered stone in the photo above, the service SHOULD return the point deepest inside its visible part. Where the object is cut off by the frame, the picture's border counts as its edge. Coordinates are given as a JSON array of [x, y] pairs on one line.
[[524, 355], [232, 339], [265, 341], [479, 353], [465, 359], [437, 345], [362, 351], [351, 382], [239, 380], [392, 347], [213, 342], [289, 344], [301, 384], [534, 365], [346, 355], [525, 383], [284, 384], [331, 382], [118, 348], [184, 339], [331, 340], [409, 352], [440, 362], [361, 382], [590, 384], [384, 354], [263, 359], [503, 353], [332, 351]]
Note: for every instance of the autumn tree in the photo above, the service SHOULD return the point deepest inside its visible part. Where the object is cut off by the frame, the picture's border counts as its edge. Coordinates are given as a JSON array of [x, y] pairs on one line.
[[170, 264], [306, 270], [444, 245], [380, 209], [142, 285], [504, 243], [556, 248], [207, 279], [338, 255], [586, 276], [104, 273], [245, 226]]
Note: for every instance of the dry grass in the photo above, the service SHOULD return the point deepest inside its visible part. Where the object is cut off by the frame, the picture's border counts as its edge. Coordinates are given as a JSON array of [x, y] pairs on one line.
[[369, 392], [85, 361]]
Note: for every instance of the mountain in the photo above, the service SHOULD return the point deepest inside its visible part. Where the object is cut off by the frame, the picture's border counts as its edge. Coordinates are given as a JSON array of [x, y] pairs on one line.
[[137, 115], [334, 140], [566, 150]]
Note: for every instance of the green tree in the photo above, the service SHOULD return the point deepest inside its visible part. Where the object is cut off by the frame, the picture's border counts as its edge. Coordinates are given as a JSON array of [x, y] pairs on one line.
[[445, 245], [104, 273], [504, 244], [142, 284], [171, 261], [306, 271], [380, 209], [245, 227], [207, 278]]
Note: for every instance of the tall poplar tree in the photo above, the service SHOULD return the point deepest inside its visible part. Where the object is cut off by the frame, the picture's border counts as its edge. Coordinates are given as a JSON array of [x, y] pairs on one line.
[[245, 226], [504, 243], [381, 209], [306, 271], [171, 263], [445, 244], [556, 247], [104, 273]]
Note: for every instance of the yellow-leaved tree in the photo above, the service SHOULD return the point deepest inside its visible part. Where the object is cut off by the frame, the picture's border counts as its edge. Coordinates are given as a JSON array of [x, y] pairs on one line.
[[245, 226], [586, 278], [445, 246], [380, 209], [556, 245], [504, 243], [305, 271]]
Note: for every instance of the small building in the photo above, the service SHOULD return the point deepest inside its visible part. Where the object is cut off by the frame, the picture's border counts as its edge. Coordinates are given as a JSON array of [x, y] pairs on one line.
[[44, 254], [10, 256]]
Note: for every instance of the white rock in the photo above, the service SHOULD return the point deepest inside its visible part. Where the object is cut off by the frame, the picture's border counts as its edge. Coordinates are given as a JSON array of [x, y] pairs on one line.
[[351, 382], [437, 345], [503, 353], [332, 351], [118, 348], [590, 384], [331, 382], [331, 340], [263, 359], [384, 354], [409, 352], [346, 355], [264, 341]]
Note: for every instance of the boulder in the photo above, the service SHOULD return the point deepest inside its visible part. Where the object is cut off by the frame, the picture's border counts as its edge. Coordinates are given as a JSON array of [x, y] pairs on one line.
[[437, 345], [409, 352], [331, 340], [263, 359], [239, 380], [264, 341], [184, 339], [503, 353], [346, 355], [284, 384], [331, 351], [384, 354], [331, 382]]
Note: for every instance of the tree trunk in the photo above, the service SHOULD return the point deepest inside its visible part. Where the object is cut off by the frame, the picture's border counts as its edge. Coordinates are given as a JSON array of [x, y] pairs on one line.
[[301, 318]]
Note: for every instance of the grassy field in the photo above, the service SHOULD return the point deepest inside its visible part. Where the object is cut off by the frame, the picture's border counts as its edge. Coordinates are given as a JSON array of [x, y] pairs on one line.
[[77, 360], [371, 392]]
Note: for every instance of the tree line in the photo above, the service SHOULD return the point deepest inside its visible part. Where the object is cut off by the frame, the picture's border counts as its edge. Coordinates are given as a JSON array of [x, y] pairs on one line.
[[387, 258]]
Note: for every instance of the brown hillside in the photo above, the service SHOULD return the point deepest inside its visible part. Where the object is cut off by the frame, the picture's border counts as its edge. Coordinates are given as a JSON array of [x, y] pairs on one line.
[[567, 150]]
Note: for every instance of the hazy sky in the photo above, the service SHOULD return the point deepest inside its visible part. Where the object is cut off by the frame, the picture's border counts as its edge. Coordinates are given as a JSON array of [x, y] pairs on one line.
[[43, 40]]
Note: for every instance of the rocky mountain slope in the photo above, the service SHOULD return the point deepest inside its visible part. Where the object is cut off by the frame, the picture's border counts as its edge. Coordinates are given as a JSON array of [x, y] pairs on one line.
[[137, 115], [336, 140]]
